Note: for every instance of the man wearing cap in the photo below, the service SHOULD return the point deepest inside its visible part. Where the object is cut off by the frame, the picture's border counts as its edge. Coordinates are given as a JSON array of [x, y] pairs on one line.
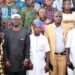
[[39, 50], [40, 23], [56, 37], [16, 48]]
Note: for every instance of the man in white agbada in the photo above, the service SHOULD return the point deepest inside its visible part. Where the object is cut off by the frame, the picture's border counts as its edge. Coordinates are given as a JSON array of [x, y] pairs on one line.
[[70, 49], [39, 51]]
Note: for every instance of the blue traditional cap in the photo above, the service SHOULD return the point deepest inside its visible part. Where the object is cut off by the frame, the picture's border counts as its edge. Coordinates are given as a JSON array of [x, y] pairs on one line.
[[37, 22]]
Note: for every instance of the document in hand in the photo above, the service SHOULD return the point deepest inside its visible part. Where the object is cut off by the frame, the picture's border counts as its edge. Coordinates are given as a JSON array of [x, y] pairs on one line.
[[71, 66], [51, 66]]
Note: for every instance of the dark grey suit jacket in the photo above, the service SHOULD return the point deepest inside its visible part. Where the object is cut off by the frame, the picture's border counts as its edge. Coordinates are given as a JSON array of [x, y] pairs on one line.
[[16, 48]]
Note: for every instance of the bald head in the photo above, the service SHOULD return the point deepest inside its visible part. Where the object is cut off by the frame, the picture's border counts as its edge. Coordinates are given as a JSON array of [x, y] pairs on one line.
[[58, 18], [58, 13]]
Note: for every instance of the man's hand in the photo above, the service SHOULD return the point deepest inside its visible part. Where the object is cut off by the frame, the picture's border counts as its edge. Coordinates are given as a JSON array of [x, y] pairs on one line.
[[46, 68], [25, 63], [8, 64], [30, 65], [68, 62]]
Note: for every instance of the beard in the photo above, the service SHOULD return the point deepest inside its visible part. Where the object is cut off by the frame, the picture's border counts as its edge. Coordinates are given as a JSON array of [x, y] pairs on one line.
[[16, 24]]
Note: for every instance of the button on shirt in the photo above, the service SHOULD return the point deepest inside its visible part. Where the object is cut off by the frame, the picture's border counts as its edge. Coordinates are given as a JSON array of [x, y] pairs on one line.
[[59, 40]]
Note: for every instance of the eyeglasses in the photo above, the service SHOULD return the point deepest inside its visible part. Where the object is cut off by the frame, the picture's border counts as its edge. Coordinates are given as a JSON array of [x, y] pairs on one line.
[[15, 19]]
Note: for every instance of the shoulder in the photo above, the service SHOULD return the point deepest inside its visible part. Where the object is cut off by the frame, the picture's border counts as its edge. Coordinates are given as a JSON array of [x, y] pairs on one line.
[[34, 10], [73, 13], [47, 26], [5, 5], [50, 26], [32, 37], [23, 9], [47, 21], [23, 30], [72, 31], [43, 37], [55, 9], [8, 32]]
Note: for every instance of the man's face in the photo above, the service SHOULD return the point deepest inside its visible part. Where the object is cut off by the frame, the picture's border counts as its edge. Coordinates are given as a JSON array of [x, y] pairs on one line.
[[57, 18], [48, 2], [29, 2], [37, 29], [8, 1], [16, 21], [1, 1]]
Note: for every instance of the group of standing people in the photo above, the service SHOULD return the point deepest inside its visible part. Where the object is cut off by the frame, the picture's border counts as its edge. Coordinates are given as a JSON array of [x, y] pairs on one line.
[[20, 52], [37, 39]]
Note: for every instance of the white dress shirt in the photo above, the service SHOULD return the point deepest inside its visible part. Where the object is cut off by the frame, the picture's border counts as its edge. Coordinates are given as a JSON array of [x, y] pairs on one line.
[[71, 44], [59, 40]]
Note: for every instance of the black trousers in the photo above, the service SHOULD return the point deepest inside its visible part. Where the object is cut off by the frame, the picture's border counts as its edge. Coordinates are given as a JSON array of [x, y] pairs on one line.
[[16, 73]]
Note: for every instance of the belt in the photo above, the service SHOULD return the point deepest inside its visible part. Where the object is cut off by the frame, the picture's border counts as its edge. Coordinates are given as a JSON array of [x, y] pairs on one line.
[[63, 53]]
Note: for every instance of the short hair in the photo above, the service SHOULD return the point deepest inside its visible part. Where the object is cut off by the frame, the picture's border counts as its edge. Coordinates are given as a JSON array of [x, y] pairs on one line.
[[58, 13]]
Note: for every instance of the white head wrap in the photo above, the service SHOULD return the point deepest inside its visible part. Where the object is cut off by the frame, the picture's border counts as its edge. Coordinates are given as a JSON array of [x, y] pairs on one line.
[[15, 15]]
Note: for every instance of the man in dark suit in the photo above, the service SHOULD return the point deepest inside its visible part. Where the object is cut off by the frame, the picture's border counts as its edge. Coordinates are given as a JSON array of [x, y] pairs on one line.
[[16, 48]]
